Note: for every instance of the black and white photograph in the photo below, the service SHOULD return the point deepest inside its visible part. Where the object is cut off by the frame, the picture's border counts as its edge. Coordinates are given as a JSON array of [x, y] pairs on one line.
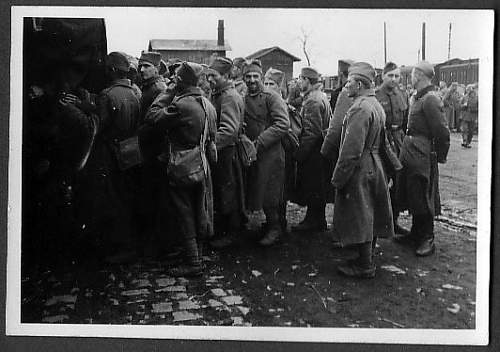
[[252, 174]]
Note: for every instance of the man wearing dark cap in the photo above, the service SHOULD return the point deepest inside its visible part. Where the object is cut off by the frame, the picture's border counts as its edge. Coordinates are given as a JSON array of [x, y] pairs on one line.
[[311, 183], [362, 204], [395, 106], [227, 173], [342, 72], [108, 189], [237, 75], [340, 103], [426, 143], [266, 122], [184, 122], [152, 82]]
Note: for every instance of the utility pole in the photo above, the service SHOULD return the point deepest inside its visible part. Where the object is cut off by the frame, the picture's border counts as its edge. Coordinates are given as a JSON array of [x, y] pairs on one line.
[[423, 41], [385, 45], [418, 56], [449, 42]]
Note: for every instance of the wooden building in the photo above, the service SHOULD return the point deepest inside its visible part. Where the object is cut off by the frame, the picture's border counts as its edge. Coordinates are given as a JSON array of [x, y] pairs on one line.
[[277, 58], [199, 51]]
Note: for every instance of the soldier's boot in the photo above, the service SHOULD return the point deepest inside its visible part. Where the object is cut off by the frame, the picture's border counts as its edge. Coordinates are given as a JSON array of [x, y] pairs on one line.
[[426, 244], [361, 267], [273, 232], [193, 265]]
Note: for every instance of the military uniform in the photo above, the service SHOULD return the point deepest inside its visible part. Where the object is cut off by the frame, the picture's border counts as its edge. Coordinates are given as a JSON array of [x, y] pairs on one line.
[[362, 205], [227, 173], [267, 122], [106, 191], [426, 143], [316, 114], [394, 103], [469, 117], [192, 206]]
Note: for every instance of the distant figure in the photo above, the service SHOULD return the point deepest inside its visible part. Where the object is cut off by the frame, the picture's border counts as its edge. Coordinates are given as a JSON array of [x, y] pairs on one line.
[[469, 115], [451, 99]]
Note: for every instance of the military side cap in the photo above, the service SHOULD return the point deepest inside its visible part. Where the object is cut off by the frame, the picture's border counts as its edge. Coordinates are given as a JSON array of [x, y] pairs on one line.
[[252, 66], [189, 71], [426, 68], [118, 61], [390, 66], [151, 57], [275, 75], [309, 72], [362, 70], [221, 64], [238, 61]]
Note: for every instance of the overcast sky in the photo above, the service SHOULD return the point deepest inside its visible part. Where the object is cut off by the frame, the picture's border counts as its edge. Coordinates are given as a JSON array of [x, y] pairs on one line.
[[333, 33]]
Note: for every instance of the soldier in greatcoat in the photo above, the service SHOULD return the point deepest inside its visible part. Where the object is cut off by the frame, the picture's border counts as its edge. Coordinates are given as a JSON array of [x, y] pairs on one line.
[[266, 122], [311, 175], [395, 107], [362, 205], [227, 173], [150, 175], [192, 205], [105, 189], [426, 143], [273, 80]]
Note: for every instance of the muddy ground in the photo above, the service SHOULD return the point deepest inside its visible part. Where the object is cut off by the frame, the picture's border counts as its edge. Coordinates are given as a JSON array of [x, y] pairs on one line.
[[293, 283]]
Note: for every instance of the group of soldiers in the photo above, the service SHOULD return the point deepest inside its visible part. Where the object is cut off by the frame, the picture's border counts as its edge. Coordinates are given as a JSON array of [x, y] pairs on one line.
[[148, 140]]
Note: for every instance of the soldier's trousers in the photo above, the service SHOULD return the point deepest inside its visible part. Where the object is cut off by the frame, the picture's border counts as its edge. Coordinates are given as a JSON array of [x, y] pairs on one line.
[[467, 128]]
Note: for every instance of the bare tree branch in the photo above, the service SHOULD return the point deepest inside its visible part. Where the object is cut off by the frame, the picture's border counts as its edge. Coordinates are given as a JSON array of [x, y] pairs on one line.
[[304, 41]]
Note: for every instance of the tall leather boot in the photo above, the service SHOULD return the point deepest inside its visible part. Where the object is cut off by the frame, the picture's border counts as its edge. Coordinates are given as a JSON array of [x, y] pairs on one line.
[[192, 267], [426, 244], [361, 267], [273, 231]]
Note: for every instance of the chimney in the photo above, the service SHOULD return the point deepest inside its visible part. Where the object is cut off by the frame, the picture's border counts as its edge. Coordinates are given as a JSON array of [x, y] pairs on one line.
[[220, 33]]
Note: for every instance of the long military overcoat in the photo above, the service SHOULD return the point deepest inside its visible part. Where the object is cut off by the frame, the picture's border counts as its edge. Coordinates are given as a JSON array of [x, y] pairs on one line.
[[362, 203], [227, 172], [267, 121], [105, 190], [183, 121]]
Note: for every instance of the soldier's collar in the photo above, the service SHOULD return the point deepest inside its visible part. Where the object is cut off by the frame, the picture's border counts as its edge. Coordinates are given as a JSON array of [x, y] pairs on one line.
[[424, 91]]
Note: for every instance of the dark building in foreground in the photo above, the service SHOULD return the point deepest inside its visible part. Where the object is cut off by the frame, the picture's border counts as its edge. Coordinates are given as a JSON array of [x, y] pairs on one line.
[[277, 58], [194, 50]]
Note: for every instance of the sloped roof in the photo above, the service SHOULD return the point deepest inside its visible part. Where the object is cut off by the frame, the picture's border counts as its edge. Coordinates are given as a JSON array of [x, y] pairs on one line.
[[188, 44], [263, 52]]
